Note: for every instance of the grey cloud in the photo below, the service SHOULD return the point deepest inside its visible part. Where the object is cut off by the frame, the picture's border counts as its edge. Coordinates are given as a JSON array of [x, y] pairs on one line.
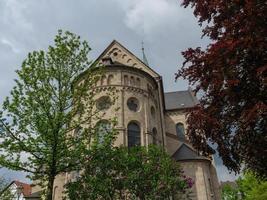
[[164, 26]]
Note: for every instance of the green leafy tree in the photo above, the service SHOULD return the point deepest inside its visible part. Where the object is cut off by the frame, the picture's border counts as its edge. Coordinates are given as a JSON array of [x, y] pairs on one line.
[[5, 193], [229, 192], [47, 106], [249, 187], [136, 173], [230, 75]]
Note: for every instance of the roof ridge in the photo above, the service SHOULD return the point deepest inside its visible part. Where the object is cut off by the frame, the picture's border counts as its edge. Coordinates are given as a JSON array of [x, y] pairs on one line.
[[194, 151], [130, 52], [176, 91]]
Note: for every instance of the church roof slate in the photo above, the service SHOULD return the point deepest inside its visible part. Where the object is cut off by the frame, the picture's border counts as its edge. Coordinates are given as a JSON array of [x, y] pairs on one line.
[[184, 152], [180, 100]]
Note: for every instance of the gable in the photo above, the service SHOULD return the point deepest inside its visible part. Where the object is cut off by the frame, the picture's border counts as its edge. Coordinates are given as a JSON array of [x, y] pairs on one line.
[[184, 152], [119, 54]]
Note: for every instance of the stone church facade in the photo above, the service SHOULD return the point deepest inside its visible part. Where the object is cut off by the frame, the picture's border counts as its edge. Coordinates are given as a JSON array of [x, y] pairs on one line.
[[147, 115]]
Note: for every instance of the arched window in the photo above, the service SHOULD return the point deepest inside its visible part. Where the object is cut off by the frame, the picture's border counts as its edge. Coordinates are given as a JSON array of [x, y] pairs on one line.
[[103, 127], [132, 81], [154, 135], [110, 79], [138, 82], [126, 80], [103, 80], [98, 80], [134, 138], [78, 132], [180, 131]]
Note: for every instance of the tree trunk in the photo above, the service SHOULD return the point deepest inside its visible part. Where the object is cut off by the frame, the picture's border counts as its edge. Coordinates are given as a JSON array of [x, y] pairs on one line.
[[50, 187]]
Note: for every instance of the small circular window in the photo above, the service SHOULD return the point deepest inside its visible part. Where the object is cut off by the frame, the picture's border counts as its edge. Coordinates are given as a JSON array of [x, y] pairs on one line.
[[133, 104], [103, 103], [153, 113]]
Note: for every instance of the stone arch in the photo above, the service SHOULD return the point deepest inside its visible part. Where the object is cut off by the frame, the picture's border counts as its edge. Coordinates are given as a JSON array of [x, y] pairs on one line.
[[132, 81], [110, 79], [129, 60], [103, 80], [112, 51], [126, 80], [138, 82], [98, 82]]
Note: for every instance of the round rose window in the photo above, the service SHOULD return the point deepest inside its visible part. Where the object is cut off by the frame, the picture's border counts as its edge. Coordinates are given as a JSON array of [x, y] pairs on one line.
[[103, 103], [133, 104]]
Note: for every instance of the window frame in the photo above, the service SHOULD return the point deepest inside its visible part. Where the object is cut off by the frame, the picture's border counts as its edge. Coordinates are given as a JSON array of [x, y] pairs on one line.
[[180, 130], [133, 100], [133, 136]]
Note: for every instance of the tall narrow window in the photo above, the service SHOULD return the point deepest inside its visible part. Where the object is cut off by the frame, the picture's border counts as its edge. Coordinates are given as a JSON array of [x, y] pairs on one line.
[[134, 138], [103, 80], [78, 133], [180, 131], [103, 127], [110, 79], [132, 81], [138, 82], [126, 80], [154, 135]]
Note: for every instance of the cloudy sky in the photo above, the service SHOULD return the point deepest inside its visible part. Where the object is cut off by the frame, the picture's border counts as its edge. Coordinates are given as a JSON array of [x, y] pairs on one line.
[[165, 27]]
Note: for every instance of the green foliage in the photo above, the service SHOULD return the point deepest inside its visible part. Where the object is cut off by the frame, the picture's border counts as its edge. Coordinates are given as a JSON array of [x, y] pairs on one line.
[[136, 173], [47, 104], [229, 193], [249, 187], [258, 193], [230, 76], [5, 193]]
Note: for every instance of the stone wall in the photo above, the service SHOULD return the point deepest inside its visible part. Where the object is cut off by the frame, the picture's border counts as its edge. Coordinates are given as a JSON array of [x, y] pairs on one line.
[[132, 83]]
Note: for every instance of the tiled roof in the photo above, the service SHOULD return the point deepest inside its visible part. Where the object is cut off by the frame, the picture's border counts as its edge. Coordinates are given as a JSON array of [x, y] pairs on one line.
[[26, 188], [180, 100]]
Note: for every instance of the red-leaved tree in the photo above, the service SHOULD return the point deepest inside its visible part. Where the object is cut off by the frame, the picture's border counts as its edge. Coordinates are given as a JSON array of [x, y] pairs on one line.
[[231, 76]]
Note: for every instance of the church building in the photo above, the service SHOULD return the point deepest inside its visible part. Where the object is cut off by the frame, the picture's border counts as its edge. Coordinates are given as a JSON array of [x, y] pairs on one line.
[[148, 115]]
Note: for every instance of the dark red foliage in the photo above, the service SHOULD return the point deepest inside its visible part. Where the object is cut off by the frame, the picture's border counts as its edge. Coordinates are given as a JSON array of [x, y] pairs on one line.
[[231, 76]]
